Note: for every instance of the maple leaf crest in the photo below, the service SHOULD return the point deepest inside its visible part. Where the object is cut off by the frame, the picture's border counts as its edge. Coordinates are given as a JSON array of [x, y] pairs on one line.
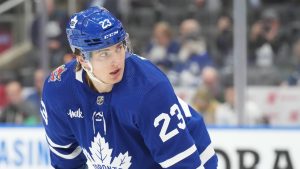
[[101, 155]]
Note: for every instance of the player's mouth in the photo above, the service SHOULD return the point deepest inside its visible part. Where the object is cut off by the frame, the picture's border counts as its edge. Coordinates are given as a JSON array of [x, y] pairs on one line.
[[115, 72]]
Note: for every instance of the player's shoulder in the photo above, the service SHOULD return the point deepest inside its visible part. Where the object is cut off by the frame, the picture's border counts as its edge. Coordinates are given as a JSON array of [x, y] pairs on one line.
[[140, 77], [60, 79], [143, 72]]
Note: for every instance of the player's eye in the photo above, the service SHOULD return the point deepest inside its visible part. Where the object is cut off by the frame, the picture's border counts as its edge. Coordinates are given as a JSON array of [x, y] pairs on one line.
[[101, 55], [104, 54]]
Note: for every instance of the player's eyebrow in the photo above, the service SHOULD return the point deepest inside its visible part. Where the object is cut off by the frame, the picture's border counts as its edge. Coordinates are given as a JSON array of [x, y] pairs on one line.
[[102, 50], [107, 49]]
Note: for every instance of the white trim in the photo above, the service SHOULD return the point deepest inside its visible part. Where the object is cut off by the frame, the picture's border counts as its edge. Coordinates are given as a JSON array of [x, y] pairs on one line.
[[52, 144], [79, 75], [72, 155], [173, 160], [200, 167], [207, 154], [43, 112], [185, 107]]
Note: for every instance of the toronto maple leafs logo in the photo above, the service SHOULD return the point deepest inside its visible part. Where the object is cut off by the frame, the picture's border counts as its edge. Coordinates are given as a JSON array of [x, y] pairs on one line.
[[56, 74], [100, 156], [73, 22]]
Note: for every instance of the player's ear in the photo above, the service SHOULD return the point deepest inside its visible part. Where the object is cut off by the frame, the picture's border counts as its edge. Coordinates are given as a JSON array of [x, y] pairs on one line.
[[79, 56], [83, 62], [80, 59]]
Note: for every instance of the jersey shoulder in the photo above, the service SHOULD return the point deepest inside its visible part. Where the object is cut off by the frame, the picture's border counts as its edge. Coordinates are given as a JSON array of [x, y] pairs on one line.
[[60, 81], [140, 77], [143, 73]]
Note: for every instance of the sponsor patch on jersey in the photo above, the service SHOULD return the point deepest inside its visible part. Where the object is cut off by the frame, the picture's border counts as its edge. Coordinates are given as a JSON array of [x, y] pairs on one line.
[[75, 114], [56, 74]]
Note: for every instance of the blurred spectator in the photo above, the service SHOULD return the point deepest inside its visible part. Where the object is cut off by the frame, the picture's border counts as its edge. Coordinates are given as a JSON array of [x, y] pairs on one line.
[[208, 95], [224, 42], [163, 49], [294, 77], [18, 110], [55, 33], [267, 41], [206, 104], [268, 50], [193, 55], [193, 45], [225, 114], [35, 97], [211, 81]]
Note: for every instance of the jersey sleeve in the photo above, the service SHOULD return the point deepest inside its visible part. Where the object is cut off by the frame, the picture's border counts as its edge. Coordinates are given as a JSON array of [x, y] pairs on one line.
[[64, 150], [199, 133], [163, 127]]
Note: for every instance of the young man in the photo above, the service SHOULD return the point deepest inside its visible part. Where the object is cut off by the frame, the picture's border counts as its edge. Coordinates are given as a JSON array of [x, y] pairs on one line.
[[114, 109]]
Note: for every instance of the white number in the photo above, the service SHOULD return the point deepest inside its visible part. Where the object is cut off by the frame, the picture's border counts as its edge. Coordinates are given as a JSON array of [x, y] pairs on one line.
[[105, 23], [163, 134], [185, 107], [173, 109]]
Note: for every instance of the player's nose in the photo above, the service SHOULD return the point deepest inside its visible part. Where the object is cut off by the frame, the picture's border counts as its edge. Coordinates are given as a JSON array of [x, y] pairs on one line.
[[116, 60], [114, 63]]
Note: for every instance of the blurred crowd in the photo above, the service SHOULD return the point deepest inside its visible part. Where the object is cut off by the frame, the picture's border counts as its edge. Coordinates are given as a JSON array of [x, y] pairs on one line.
[[190, 40]]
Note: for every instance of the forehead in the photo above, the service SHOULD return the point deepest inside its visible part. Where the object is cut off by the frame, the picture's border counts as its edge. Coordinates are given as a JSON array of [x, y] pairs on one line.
[[110, 48]]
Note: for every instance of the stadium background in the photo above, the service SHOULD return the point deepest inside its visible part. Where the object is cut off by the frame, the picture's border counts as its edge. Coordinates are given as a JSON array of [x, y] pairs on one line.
[[209, 49]]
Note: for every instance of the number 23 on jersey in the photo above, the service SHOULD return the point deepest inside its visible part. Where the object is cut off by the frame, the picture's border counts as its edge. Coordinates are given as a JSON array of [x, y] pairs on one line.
[[165, 120]]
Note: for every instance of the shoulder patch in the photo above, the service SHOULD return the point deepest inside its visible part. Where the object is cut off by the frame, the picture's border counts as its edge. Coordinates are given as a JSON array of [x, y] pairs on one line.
[[56, 74]]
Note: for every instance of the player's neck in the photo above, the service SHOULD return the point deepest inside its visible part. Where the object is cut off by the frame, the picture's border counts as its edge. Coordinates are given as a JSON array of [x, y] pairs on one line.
[[101, 88]]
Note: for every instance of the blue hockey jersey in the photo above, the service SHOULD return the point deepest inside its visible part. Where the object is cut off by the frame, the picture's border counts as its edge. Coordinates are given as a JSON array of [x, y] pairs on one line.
[[140, 124]]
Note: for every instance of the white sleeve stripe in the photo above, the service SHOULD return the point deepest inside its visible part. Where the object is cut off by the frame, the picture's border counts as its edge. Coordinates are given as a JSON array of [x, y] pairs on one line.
[[185, 107], [52, 144], [200, 167], [206, 155], [173, 160], [72, 155], [78, 76]]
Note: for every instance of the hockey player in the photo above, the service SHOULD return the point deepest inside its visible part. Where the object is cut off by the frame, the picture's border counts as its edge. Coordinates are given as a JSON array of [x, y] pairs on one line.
[[111, 109]]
